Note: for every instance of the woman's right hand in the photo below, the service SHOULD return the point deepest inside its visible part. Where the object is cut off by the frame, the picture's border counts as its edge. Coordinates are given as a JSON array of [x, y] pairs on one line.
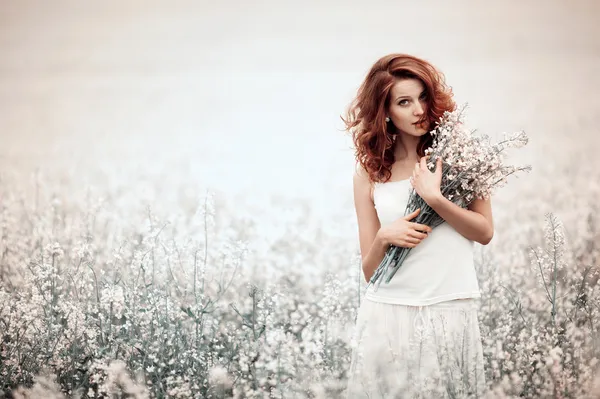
[[404, 233]]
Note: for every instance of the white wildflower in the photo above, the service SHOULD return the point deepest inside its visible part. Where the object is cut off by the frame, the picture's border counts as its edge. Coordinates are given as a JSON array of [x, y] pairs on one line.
[[218, 376]]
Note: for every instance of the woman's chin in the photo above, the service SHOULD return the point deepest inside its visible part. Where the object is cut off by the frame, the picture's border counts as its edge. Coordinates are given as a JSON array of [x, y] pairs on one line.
[[416, 131], [420, 130]]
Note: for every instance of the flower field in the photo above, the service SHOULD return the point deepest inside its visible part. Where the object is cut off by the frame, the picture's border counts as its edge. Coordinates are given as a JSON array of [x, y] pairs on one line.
[[97, 301]]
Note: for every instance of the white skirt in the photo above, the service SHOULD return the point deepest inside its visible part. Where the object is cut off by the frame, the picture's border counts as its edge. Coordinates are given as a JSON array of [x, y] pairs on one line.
[[401, 351]]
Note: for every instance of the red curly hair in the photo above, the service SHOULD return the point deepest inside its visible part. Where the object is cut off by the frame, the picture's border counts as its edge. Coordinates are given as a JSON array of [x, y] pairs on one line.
[[365, 118]]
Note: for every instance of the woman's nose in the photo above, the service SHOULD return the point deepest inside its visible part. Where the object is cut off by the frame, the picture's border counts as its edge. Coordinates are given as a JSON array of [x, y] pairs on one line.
[[418, 109]]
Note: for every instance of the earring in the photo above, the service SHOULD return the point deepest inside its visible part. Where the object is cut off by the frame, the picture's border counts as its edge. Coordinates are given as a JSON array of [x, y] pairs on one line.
[[387, 118]]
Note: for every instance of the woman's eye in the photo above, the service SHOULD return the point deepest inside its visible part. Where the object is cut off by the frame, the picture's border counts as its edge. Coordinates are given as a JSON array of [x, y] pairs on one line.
[[404, 102]]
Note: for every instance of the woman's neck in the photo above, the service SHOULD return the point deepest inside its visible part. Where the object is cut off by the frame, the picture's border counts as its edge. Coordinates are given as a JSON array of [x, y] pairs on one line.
[[406, 148]]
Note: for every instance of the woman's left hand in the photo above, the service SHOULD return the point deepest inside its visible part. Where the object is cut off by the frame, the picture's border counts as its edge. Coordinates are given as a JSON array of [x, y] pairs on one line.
[[427, 183]]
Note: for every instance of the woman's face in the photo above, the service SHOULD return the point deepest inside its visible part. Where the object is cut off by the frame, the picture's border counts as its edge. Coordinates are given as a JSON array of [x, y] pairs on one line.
[[407, 106]]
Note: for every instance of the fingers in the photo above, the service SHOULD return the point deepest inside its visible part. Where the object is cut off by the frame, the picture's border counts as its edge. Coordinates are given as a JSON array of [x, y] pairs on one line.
[[407, 242], [412, 215], [421, 227], [417, 234], [412, 242]]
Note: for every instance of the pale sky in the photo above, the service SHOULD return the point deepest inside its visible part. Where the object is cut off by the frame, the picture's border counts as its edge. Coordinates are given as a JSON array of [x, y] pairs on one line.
[[245, 97]]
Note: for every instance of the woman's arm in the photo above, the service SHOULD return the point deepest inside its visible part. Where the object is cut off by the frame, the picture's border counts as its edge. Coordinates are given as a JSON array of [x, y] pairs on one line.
[[475, 222], [372, 245]]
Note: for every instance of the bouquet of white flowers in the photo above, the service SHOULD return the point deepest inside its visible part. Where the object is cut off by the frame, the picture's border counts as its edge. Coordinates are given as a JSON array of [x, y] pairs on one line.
[[472, 168]]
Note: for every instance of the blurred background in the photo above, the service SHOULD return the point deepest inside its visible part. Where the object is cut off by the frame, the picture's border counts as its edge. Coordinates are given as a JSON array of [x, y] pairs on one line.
[[158, 103]]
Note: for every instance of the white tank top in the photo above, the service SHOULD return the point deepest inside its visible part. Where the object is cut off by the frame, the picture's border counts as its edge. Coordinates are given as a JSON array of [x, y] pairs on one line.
[[440, 268]]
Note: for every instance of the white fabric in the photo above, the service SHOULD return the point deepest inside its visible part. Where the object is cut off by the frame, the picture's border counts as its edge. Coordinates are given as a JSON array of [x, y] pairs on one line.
[[438, 269], [401, 351]]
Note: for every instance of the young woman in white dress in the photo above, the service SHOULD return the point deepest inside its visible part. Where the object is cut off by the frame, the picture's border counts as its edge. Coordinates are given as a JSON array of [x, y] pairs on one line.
[[417, 336]]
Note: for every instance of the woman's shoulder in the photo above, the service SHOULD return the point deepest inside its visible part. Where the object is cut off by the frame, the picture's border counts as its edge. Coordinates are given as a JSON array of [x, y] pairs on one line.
[[362, 181], [360, 171], [361, 176]]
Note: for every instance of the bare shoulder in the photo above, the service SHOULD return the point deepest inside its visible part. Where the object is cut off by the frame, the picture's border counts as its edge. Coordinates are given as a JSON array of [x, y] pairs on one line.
[[360, 172], [362, 183]]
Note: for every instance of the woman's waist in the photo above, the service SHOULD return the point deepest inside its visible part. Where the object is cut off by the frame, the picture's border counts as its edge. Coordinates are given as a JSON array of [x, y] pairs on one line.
[[448, 247], [427, 271], [398, 297]]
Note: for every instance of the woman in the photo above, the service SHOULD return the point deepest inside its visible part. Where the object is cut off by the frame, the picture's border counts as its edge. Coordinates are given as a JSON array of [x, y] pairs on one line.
[[418, 335]]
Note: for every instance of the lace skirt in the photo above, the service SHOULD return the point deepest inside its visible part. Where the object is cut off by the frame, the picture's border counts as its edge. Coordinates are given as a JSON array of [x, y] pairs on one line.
[[401, 351]]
